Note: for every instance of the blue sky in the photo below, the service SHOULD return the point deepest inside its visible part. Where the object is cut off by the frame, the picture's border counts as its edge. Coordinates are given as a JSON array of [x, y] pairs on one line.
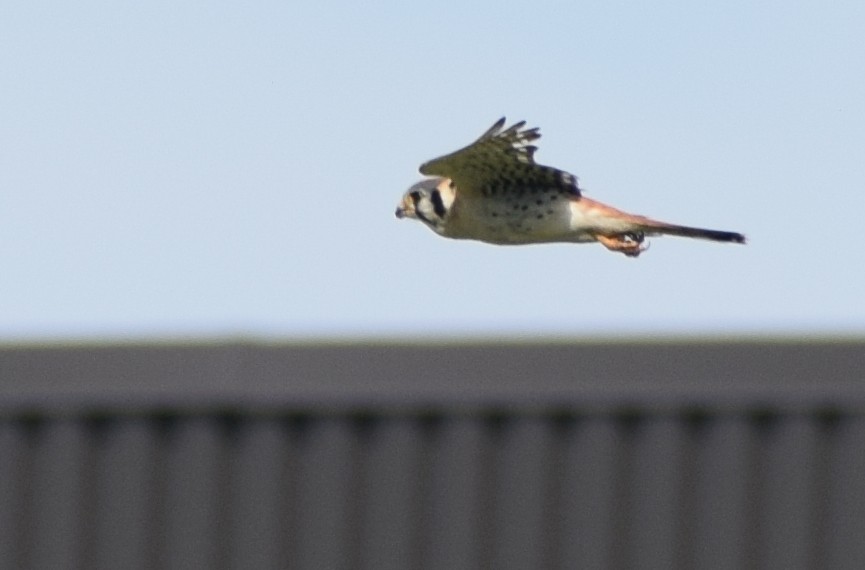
[[216, 168]]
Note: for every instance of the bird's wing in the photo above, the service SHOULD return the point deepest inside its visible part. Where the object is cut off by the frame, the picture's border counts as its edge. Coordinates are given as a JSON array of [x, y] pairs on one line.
[[499, 159]]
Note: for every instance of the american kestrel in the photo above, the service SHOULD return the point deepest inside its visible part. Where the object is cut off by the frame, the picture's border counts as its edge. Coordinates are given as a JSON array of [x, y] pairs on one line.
[[494, 191]]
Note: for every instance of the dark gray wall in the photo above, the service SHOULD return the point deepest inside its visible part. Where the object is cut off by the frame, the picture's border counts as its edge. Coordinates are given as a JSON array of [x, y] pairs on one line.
[[664, 455]]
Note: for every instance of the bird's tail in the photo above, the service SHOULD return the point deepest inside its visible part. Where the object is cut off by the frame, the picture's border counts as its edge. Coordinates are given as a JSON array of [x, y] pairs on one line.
[[655, 227], [613, 222]]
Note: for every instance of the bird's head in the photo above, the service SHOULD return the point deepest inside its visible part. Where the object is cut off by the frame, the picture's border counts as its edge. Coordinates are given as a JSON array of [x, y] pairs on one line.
[[429, 201]]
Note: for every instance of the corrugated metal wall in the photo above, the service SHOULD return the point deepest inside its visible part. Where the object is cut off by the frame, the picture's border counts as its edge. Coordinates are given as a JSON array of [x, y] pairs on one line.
[[500, 456]]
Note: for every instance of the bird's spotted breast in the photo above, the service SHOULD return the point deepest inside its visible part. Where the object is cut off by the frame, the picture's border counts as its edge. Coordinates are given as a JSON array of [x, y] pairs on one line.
[[518, 214]]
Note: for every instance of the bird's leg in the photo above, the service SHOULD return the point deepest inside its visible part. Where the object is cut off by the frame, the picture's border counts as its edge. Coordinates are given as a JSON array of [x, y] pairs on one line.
[[629, 244]]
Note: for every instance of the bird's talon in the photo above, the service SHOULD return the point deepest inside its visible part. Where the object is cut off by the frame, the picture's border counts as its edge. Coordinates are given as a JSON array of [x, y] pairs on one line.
[[637, 237], [630, 244]]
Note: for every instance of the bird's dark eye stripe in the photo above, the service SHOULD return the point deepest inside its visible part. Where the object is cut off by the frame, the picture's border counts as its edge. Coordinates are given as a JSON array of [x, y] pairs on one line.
[[438, 205]]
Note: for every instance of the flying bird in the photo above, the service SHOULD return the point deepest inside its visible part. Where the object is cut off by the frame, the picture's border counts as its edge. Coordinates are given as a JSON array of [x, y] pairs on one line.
[[494, 191]]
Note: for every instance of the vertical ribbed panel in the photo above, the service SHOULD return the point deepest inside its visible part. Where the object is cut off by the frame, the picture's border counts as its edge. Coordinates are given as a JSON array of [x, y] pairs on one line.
[[126, 497], [193, 499], [519, 489], [259, 495], [60, 514], [723, 469], [392, 479], [14, 501], [327, 533], [843, 524], [453, 522], [787, 504], [587, 512], [444, 491], [656, 488]]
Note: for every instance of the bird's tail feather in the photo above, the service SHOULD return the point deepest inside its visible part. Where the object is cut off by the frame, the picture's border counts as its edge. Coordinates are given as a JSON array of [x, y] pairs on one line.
[[654, 227]]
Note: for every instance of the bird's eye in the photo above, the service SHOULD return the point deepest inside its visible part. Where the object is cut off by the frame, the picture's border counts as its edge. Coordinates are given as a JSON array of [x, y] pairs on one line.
[[415, 196]]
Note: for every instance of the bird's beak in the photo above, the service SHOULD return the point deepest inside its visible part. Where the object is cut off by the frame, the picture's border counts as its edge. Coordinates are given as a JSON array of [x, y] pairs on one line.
[[405, 209]]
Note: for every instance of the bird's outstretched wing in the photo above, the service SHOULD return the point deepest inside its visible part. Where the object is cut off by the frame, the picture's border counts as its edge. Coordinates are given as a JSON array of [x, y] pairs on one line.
[[499, 159]]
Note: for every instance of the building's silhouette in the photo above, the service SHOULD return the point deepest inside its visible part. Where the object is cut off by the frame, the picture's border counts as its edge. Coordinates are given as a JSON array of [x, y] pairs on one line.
[[447, 456]]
